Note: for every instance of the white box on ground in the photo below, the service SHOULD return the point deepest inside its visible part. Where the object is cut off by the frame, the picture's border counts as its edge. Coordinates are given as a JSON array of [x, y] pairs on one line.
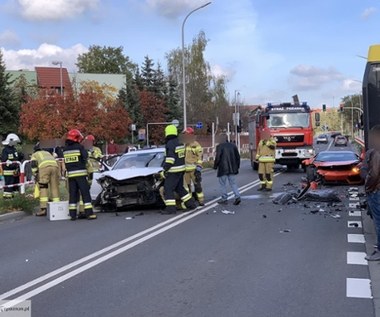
[[58, 211]]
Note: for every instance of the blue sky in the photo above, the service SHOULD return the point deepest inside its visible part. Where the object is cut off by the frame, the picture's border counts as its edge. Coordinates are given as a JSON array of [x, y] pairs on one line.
[[269, 50]]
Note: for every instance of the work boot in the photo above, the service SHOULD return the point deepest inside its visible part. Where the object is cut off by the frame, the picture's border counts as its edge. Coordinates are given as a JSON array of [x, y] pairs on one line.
[[92, 217], [82, 215], [191, 205], [41, 213], [73, 215], [375, 256], [261, 188], [268, 189], [170, 210], [237, 201]]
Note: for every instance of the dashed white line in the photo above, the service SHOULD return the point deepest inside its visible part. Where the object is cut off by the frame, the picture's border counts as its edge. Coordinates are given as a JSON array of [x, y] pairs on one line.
[[358, 288], [356, 258], [355, 213], [353, 205], [355, 238]]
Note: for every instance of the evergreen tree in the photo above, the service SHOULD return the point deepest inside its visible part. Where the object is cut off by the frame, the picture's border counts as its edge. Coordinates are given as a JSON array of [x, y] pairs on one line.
[[173, 100], [148, 74], [9, 109], [159, 82]]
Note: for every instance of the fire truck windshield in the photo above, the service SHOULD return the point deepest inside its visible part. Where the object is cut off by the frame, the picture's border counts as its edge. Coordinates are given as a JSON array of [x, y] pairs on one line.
[[288, 120]]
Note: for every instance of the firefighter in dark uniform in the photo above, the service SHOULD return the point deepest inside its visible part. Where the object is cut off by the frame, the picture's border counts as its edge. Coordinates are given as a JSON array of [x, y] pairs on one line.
[[76, 157], [174, 169], [266, 152], [9, 156]]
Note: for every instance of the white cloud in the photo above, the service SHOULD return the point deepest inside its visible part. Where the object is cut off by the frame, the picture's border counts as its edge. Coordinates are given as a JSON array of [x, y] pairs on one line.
[[351, 85], [173, 8], [9, 38], [53, 10], [368, 12], [42, 56], [307, 77], [221, 71]]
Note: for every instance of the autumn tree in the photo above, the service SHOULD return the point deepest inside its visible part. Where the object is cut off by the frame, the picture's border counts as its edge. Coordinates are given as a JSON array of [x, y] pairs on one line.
[[105, 60], [9, 109], [94, 110]]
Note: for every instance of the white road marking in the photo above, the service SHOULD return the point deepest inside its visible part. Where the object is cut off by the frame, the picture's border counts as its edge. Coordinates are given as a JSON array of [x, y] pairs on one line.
[[330, 145], [159, 228], [354, 198], [357, 258], [355, 213], [358, 288], [353, 205], [354, 224], [355, 238]]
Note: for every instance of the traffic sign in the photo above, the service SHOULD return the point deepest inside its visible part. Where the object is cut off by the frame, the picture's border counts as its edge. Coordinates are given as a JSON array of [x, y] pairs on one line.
[[199, 125]]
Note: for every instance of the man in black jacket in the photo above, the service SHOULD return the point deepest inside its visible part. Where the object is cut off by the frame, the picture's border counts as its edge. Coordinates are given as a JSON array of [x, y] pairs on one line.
[[227, 162]]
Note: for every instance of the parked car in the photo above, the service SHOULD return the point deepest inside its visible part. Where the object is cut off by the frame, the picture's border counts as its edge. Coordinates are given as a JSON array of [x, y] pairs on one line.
[[340, 140], [335, 134], [322, 139], [334, 167], [134, 180]]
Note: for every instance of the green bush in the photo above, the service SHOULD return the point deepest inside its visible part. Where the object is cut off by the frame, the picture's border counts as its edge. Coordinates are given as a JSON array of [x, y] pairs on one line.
[[18, 203]]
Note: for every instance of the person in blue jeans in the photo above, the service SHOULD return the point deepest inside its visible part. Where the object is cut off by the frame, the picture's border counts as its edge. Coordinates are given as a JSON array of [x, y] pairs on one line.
[[227, 162], [371, 171]]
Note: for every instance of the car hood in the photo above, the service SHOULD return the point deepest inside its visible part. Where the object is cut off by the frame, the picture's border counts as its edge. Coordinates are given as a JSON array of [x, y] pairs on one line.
[[340, 163], [123, 174]]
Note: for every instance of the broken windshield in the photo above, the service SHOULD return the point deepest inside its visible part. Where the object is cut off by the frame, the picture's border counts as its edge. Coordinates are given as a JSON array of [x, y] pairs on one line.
[[288, 120]]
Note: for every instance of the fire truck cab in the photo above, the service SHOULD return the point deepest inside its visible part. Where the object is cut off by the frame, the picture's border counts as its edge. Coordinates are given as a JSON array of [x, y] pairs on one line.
[[290, 125]]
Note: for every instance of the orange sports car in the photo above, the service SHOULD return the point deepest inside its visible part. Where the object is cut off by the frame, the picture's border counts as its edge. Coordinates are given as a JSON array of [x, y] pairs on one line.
[[334, 167]]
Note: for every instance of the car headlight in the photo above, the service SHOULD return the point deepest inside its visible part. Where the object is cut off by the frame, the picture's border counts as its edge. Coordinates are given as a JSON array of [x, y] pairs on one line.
[[356, 170]]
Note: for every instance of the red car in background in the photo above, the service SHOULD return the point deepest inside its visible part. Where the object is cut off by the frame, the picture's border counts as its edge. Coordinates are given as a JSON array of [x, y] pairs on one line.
[[334, 167]]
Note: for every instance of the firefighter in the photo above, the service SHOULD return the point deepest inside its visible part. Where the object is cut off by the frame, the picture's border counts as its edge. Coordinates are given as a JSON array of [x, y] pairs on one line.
[[46, 171], [94, 153], [266, 151], [193, 162], [174, 169], [11, 169], [76, 160]]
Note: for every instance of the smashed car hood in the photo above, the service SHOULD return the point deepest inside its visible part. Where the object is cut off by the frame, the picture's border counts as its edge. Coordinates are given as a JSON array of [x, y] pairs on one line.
[[340, 163], [123, 174]]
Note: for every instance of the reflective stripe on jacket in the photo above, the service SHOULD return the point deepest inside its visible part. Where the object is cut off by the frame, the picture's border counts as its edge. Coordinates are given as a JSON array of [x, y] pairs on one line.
[[75, 160], [193, 156], [264, 150], [175, 156], [43, 159]]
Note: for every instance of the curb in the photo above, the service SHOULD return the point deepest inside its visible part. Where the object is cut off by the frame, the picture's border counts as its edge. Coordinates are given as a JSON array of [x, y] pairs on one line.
[[374, 267], [12, 215]]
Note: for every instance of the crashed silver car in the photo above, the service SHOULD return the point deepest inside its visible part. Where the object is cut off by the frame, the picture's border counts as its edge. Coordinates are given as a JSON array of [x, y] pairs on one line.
[[134, 180]]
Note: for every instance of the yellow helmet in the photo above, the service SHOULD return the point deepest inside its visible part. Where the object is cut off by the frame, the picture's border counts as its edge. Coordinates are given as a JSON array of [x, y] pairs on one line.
[[171, 130]]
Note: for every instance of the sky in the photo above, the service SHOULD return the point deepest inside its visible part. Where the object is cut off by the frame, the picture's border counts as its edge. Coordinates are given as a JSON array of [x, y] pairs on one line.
[[268, 50]]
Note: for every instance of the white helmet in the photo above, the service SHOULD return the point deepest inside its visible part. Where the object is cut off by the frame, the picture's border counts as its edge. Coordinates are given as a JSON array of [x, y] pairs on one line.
[[12, 139]]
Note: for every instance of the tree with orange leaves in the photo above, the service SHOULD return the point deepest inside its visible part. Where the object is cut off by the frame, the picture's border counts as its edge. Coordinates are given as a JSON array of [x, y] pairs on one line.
[[93, 110]]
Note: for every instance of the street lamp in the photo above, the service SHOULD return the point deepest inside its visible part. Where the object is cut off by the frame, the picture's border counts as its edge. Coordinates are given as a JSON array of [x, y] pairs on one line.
[[60, 74], [237, 118], [183, 63]]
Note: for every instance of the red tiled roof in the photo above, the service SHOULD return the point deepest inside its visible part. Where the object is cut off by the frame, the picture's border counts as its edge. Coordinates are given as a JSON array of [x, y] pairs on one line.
[[49, 77]]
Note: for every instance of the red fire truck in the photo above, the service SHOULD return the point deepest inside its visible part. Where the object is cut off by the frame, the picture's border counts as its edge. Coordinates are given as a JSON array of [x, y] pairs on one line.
[[291, 126]]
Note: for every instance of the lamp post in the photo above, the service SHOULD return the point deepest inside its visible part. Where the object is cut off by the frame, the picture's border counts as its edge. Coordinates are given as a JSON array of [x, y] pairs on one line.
[[237, 118], [183, 62], [60, 74]]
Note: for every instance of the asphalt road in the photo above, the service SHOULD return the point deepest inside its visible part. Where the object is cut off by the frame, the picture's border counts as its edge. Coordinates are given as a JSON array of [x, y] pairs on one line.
[[263, 260]]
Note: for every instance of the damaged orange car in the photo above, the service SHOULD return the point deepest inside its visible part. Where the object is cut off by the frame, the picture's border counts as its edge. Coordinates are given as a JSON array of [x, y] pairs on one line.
[[334, 167]]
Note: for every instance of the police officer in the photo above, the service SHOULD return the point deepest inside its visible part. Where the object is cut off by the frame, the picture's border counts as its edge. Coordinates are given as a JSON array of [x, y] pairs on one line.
[[193, 162], [9, 156], [46, 170], [75, 160], [266, 152], [174, 169]]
